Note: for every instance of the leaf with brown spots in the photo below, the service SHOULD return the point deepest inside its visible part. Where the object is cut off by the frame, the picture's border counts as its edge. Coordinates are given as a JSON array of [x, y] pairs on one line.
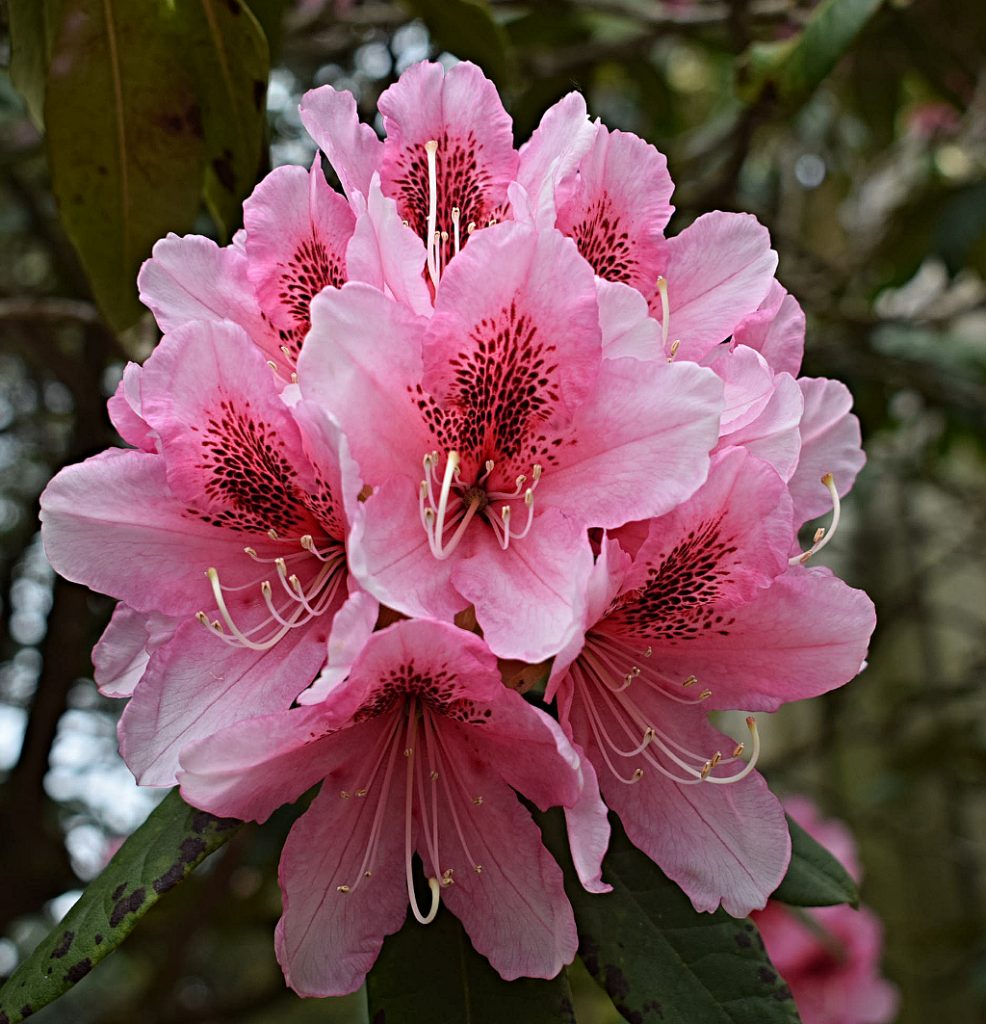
[[164, 851], [660, 961]]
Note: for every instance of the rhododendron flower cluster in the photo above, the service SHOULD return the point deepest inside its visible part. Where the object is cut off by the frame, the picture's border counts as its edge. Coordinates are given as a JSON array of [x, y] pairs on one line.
[[830, 956], [476, 409]]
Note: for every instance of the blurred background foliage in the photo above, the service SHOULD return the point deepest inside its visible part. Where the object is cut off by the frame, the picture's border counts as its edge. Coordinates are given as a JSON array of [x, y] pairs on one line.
[[855, 130]]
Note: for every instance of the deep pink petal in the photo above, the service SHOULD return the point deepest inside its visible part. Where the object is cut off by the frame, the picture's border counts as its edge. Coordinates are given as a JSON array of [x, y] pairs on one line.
[[514, 908], [528, 598], [113, 524], [461, 111], [297, 232], [830, 443], [326, 939], [804, 636], [776, 330], [387, 254], [617, 207], [352, 148], [718, 270], [121, 655], [196, 685], [641, 443]]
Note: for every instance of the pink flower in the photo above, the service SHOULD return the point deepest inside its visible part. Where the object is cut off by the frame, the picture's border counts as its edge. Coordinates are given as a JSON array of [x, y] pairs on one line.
[[704, 612], [830, 956], [495, 432], [417, 751], [229, 513]]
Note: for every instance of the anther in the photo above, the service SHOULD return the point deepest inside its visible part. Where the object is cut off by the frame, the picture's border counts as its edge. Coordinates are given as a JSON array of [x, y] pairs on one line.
[[675, 345], [478, 801], [638, 774], [690, 681], [447, 879], [343, 889], [705, 695]]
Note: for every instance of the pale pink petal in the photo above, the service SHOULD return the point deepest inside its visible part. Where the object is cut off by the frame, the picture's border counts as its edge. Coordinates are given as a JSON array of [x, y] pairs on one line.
[[387, 254], [461, 111], [352, 148], [514, 907], [351, 628], [775, 435], [641, 443], [297, 232], [361, 358], [112, 523], [196, 685], [804, 636], [528, 598], [749, 383], [190, 278], [124, 411], [617, 206], [120, 657], [553, 153], [627, 327], [776, 330], [328, 939], [718, 270], [517, 305], [232, 449], [830, 443], [723, 844], [250, 768]]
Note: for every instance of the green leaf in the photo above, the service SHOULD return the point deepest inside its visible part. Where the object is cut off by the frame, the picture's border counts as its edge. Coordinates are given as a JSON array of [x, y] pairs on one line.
[[659, 960], [432, 973], [468, 29], [815, 878], [792, 69], [226, 51], [157, 857], [33, 24], [125, 140]]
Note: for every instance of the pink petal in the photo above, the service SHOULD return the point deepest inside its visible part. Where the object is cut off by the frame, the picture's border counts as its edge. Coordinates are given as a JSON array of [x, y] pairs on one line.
[[528, 598], [718, 270], [197, 685], [297, 232], [516, 309], [352, 148], [124, 411], [749, 383], [121, 655], [627, 327], [804, 636], [233, 452], [460, 110], [776, 330], [553, 153], [641, 443], [112, 523], [387, 254], [830, 443], [327, 940], [723, 844], [617, 207], [191, 278], [775, 435], [514, 909]]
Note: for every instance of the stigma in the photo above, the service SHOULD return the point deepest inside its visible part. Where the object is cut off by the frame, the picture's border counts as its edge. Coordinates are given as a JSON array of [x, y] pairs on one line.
[[444, 241]]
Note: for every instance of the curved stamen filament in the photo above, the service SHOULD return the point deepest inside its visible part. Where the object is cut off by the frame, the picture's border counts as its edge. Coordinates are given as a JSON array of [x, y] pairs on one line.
[[822, 537], [409, 753], [662, 288]]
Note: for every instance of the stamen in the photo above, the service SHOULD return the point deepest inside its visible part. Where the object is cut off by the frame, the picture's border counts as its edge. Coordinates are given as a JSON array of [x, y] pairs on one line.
[[675, 345], [662, 288], [455, 230], [822, 538]]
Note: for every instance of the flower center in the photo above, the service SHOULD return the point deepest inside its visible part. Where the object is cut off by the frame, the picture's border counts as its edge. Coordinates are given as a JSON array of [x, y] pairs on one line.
[[604, 681], [459, 502], [288, 603], [428, 778]]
